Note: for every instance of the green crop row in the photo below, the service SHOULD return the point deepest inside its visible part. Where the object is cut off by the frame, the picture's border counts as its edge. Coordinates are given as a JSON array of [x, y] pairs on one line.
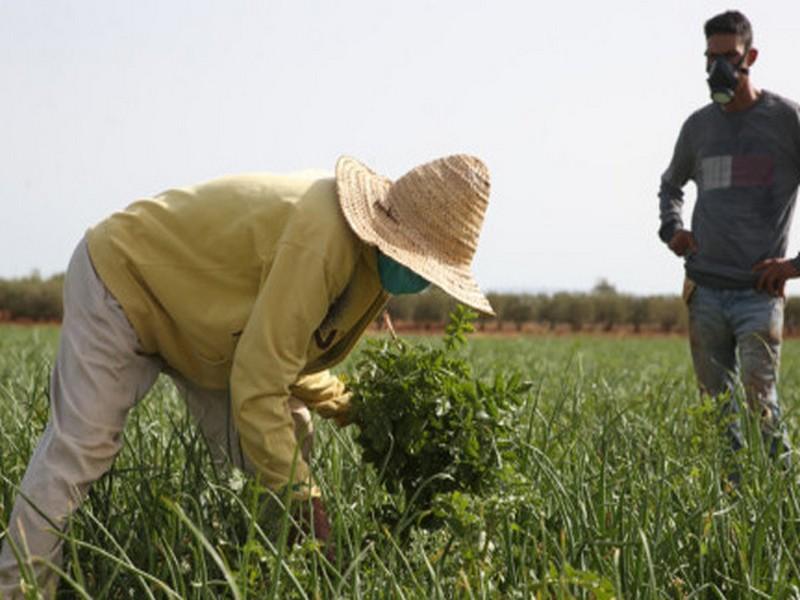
[[621, 494]]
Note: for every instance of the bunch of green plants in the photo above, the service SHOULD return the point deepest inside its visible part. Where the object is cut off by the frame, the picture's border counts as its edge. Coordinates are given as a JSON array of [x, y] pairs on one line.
[[428, 425]]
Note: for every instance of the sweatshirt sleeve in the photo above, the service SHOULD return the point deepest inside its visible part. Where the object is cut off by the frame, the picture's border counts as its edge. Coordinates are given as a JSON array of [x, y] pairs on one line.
[[292, 302], [795, 132], [670, 194]]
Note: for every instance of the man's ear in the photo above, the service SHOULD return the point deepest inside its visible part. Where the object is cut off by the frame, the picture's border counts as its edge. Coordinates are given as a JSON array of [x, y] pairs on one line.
[[750, 57]]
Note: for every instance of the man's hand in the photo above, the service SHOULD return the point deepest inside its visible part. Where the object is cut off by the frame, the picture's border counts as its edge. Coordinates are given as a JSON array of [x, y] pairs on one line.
[[343, 418], [313, 520], [683, 243], [773, 275]]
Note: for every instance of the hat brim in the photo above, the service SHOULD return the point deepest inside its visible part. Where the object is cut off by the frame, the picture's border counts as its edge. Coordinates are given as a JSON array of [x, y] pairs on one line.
[[361, 193]]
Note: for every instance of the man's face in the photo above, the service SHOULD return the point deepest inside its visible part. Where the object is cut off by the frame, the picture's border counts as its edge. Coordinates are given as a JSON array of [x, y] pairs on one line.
[[725, 45]]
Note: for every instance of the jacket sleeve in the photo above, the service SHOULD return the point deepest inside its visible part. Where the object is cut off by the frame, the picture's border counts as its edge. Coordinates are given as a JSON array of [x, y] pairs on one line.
[[292, 302], [670, 194], [325, 394]]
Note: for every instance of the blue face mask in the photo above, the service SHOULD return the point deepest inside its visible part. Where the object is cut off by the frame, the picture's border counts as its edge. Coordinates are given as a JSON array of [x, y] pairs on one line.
[[398, 279]]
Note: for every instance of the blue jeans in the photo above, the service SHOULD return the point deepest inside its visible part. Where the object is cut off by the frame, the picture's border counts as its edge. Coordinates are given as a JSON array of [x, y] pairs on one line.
[[722, 321]]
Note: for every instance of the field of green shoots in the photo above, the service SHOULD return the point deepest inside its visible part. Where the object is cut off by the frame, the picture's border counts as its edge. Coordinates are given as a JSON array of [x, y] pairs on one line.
[[622, 494]]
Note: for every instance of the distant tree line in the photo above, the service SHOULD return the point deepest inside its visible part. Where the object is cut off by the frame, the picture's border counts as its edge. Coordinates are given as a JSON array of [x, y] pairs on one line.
[[35, 298], [602, 309], [31, 298]]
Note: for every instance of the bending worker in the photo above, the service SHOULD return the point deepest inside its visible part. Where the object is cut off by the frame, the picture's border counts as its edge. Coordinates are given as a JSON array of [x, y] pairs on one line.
[[244, 289]]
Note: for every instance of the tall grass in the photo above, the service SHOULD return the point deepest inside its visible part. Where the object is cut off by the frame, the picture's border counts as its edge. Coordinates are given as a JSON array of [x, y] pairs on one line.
[[623, 494]]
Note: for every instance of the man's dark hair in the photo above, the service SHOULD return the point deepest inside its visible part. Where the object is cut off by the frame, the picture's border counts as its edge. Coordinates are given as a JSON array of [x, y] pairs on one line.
[[731, 21]]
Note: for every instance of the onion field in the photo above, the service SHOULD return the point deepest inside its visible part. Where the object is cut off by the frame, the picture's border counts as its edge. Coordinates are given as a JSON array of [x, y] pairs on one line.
[[620, 492]]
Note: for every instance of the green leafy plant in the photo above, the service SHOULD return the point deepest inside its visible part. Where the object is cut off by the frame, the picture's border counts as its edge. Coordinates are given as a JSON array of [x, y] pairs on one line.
[[427, 423]]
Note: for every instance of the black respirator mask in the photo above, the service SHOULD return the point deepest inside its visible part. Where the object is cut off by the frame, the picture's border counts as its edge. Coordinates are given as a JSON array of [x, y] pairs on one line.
[[723, 79]]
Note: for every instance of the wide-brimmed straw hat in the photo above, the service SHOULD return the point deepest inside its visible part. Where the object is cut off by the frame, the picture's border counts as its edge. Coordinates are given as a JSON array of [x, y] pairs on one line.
[[428, 220]]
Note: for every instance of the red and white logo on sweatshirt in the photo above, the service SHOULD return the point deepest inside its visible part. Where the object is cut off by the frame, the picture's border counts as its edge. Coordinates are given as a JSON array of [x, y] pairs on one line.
[[747, 170]]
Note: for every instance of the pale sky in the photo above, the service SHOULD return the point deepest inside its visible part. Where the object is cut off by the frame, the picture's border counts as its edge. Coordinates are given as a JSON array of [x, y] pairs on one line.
[[575, 107]]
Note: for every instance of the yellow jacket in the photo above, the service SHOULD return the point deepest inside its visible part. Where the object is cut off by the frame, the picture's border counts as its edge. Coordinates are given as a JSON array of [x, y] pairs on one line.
[[252, 282]]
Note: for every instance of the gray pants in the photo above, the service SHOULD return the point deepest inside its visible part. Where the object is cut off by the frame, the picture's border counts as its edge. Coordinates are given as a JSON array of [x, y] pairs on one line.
[[722, 322], [99, 375]]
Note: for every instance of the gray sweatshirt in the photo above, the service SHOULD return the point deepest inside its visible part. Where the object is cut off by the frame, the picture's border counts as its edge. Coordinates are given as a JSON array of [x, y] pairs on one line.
[[746, 166]]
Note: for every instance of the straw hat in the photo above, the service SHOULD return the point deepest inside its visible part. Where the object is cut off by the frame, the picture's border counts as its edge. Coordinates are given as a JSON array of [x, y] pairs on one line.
[[428, 220]]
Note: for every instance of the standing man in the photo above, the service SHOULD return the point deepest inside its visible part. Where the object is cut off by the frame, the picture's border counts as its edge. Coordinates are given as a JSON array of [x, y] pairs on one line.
[[743, 153], [245, 290]]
